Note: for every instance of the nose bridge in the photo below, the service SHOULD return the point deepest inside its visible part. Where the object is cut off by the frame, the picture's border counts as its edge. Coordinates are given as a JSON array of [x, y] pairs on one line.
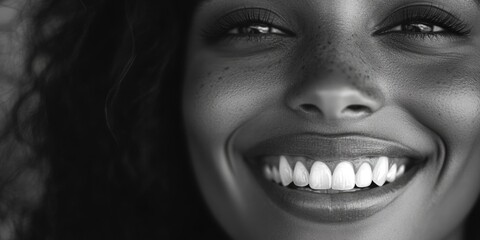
[[335, 89]]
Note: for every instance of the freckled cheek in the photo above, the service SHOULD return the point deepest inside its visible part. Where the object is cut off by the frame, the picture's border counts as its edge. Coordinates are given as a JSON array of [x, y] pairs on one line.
[[219, 98]]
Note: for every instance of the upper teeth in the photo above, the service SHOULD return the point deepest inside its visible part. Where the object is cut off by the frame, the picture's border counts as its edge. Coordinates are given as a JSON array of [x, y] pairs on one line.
[[380, 171], [320, 176], [300, 175], [364, 175], [343, 177], [285, 171]]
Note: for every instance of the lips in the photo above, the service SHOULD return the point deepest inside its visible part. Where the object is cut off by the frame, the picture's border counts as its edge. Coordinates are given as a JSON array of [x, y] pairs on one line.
[[333, 178], [332, 148]]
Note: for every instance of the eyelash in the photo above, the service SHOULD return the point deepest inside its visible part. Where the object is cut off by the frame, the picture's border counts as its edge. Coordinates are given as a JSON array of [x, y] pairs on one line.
[[428, 15], [246, 17]]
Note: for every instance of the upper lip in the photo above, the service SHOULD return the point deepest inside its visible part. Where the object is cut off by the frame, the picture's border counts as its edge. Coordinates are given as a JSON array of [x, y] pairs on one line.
[[332, 147]]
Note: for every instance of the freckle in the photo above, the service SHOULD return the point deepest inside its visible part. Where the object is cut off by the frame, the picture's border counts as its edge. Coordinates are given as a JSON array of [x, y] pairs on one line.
[[329, 43], [303, 67], [209, 73], [226, 68], [220, 78]]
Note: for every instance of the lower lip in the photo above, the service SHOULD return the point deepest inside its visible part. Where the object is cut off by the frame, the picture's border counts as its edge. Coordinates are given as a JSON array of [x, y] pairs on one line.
[[335, 207]]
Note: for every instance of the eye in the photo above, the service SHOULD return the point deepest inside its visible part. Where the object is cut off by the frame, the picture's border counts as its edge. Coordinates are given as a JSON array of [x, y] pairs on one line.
[[425, 28], [423, 20], [247, 24], [255, 29]]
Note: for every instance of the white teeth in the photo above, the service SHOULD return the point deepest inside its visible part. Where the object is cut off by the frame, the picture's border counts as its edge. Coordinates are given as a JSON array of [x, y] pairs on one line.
[[267, 172], [285, 171], [400, 171], [343, 176], [276, 175], [380, 171], [320, 176], [364, 175], [300, 175], [392, 173]]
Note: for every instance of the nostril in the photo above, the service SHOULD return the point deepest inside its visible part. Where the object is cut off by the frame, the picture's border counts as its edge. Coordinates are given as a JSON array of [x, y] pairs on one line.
[[310, 108], [334, 103], [357, 109]]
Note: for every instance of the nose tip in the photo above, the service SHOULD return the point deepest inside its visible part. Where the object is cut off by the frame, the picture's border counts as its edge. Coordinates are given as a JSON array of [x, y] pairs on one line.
[[337, 103]]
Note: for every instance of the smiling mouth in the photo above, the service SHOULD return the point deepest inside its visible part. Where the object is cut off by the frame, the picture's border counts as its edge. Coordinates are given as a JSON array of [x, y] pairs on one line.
[[333, 178]]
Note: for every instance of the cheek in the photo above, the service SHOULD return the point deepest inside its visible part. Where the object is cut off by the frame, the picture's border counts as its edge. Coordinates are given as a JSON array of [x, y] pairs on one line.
[[220, 96], [447, 102]]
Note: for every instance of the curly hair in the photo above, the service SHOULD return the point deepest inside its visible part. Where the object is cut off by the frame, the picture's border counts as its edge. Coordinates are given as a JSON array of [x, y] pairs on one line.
[[102, 111]]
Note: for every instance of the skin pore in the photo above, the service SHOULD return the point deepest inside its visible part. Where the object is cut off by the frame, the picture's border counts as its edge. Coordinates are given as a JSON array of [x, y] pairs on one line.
[[406, 72]]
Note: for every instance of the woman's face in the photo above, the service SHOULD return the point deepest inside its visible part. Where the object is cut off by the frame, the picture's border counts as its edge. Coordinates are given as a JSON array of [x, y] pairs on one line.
[[339, 119]]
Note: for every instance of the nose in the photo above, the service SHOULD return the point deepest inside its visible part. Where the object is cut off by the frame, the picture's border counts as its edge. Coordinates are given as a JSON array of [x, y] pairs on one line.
[[322, 99]]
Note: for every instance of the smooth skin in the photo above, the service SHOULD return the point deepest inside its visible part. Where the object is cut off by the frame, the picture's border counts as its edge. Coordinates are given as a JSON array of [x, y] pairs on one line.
[[329, 71]]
